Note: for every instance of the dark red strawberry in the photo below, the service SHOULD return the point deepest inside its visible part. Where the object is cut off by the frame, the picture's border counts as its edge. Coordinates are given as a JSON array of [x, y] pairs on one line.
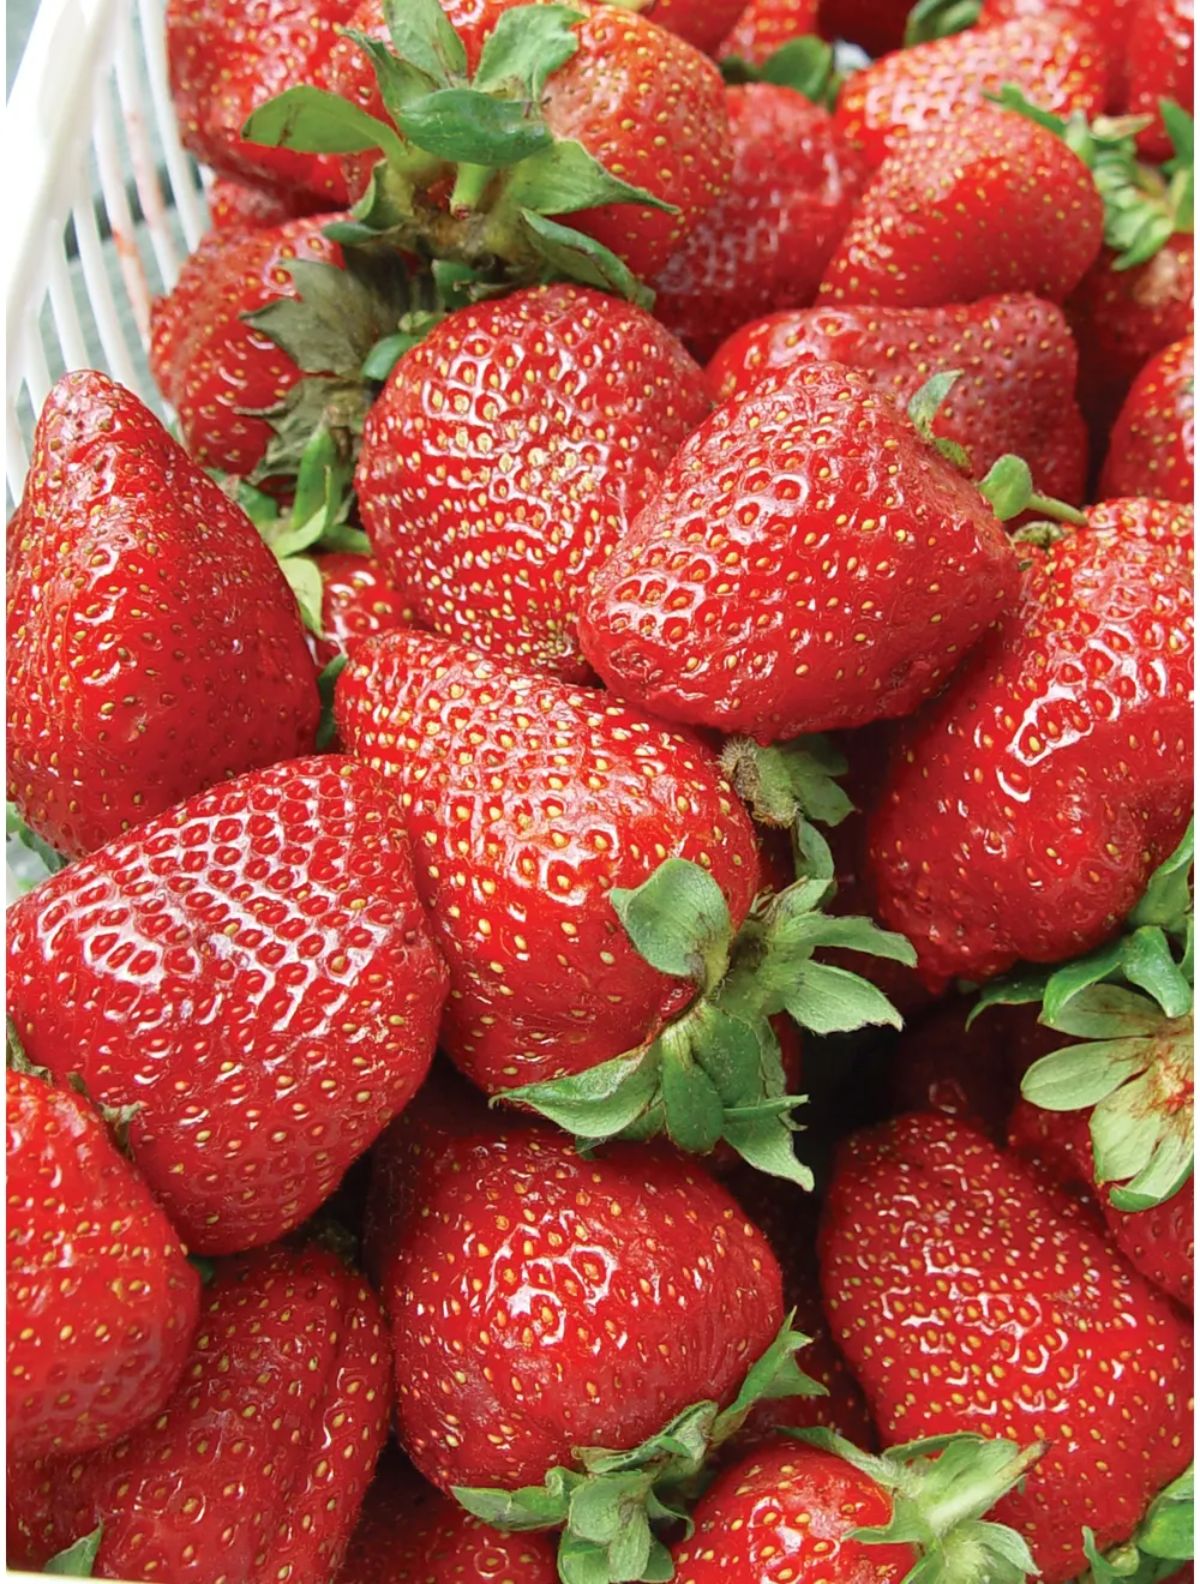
[[765, 26], [1017, 360], [358, 600], [154, 647], [808, 563], [766, 243], [986, 203], [1026, 807], [100, 1300], [1160, 64], [1108, 21], [252, 971], [703, 23], [509, 452], [965, 1299], [256, 1467], [876, 26], [1152, 449], [241, 206]]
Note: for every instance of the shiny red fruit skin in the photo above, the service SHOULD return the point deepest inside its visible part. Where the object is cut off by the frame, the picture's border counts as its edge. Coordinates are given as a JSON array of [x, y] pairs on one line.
[[154, 647], [540, 1302], [1056, 62], [358, 599], [508, 454], [876, 26], [526, 801], [1107, 20], [963, 212], [1015, 354], [788, 1512], [966, 1299], [209, 364], [1152, 448], [1161, 51], [242, 206], [255, 1469], [808, 564], [765, 26], [765, 244], [254, 970], [1026, 807], [100, 1299], [703, 23]]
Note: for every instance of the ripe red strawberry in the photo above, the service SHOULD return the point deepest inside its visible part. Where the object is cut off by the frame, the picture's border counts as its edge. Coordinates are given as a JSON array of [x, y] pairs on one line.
[[703, 23], [252, 971], [100, 1300], [1017, 360], [1152, 449], [987, 203], [1108, 21], [1054, 60], [256, 1467], [153, 645], [241, 206], [358, 600], [767, 25], [939, 1064], [809, 563], [1160, 64], [509, 452], [966, 1300], [1027, 805], [766, 243], [876, 26]]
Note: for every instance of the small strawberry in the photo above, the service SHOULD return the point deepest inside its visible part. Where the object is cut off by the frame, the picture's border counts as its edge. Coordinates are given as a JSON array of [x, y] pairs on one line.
[[987, 203], [1160, 50], [1027, 805], [1016, 391], [255, 1468], [765, 26], [252, 971], [808, 563], [766, 243], [100, 1300], [966, 1300], [358, 600], [507, 455], [1152, 448], [153, 646], [241, 206]]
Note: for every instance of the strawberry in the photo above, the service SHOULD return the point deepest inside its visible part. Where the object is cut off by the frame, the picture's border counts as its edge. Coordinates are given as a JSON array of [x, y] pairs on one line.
[[101, 1302], [358, 600], [252, 971], [1018, 369], [1054, 60], [507, 455], [242, 206], [966, 1300], [766, 243], [765, 26], [1108, 21], [703, 23], [255, 1468], [1026, 806], [153, 646], [989, 202], [1160, 64], [739, 599], [876, 26], [1152, 449], [939, 1064]]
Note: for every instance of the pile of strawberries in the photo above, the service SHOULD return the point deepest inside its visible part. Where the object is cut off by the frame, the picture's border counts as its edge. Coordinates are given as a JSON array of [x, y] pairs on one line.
[[611, 996]]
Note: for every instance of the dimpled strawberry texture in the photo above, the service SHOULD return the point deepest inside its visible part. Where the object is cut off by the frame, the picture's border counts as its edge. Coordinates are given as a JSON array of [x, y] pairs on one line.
[[253, 969], [540, 1302], [509, 452], [1161, 50], [965, 1299], [809, 563], [1152, 448], [357, 599], [1108, 21], [765, 26], [526, 801], [1025, 809], [255, 1469]]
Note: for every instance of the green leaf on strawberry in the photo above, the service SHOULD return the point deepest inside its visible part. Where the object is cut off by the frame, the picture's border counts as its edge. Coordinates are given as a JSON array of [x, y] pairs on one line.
[[786, 783], [77, 1560], [807, 65], [1163, 1539]]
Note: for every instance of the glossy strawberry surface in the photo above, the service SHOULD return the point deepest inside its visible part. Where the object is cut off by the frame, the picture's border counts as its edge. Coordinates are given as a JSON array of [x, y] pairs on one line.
[[703, 23], [1161, 53], [965, 1300], [1152, 448], [526, 802], [1027, 806], [509, 452], [254, 971], [357, 599], [100, 1301], [255, 1468], [1107, 20], [154, 647], [766, 25], [808, 563]]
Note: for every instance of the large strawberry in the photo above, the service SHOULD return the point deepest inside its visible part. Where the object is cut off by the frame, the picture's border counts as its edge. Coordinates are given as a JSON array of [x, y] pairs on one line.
[[507, 455], [1152, 448], [100, 1300], [1017, 367], [255, 1468], [1027, 805], [966, 1299], [252, 972], [989, 202], [1108, 21], [153, 646], [765, 26], [1160, 56]]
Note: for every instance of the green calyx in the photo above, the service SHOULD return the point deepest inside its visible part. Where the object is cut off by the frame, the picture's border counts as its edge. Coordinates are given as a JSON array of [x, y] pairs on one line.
[[609, 1504], [77, 1560], [1162, 1541], [715, 1073], [1144, 205], [937, 19], [788, 782], [805, 64], [941, 1488], [1130, 1002], [484, 139]]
